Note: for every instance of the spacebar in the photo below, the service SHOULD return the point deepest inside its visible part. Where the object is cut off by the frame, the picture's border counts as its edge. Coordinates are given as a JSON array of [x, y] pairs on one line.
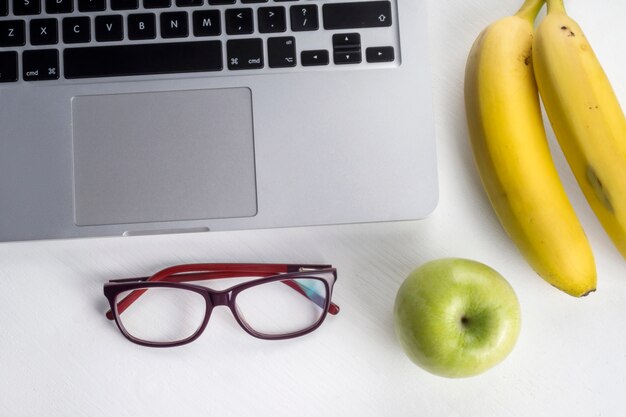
[[144, 59]]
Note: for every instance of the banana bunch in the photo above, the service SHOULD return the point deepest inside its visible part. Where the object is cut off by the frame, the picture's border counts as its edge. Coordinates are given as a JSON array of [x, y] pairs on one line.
[[510, 146]]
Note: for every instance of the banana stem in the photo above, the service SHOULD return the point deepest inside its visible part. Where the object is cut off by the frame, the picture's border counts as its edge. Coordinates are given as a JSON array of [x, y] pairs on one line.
[[556, 6], [530, 9]]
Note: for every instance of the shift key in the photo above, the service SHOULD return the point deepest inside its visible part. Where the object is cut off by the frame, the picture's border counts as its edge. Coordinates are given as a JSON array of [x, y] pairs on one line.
[[366, 14]]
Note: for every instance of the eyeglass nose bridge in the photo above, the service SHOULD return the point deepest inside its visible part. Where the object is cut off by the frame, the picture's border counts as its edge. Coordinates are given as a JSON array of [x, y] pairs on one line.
[[220, 298]]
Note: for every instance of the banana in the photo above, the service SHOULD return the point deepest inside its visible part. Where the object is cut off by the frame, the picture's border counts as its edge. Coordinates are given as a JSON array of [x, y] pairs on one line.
[[585, 115], [511, 151]]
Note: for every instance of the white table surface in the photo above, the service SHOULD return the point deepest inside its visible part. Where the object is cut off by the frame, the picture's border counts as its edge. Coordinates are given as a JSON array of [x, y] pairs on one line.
[[59, 356]]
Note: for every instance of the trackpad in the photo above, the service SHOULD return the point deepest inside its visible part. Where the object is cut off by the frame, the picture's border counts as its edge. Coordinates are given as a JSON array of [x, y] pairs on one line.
[[165, 156]]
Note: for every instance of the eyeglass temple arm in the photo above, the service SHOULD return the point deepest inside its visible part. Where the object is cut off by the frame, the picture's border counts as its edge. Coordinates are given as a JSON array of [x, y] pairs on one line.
[[227, 271], [312, 295]]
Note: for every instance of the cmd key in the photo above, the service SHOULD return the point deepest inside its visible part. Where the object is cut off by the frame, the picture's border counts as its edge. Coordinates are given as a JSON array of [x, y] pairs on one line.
[[40, 64], [367, 14]]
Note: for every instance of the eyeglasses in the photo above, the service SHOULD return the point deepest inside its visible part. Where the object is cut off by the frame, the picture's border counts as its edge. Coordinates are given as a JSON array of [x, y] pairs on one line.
[[164, 310]]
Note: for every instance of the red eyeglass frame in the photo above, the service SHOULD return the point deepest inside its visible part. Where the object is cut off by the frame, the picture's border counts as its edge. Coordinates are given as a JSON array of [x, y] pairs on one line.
[[177, 277]]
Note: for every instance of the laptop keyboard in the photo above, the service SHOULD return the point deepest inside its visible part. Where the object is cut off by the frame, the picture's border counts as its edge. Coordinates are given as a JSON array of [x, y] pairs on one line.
[[42, 40]]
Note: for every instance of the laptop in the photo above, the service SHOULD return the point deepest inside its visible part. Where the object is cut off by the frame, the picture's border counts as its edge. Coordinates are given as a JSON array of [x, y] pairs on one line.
[[134, 117]]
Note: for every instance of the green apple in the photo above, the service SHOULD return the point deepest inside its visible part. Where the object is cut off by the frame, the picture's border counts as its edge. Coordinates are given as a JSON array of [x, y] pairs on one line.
[[456, 317]]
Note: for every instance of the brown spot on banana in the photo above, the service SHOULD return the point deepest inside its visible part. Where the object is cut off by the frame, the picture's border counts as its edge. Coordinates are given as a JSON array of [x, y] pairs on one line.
[[598, 188]]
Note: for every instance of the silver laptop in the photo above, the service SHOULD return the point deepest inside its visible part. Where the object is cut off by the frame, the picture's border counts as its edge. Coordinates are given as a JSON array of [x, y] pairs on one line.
[[130, 117]]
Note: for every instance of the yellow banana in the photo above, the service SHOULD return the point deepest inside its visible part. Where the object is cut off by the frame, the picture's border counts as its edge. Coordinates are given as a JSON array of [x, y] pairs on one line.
[[511, 151], [585, 115]]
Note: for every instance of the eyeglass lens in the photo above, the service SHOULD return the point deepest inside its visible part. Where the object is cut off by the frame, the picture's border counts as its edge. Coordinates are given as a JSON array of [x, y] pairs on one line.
[[282, 307], [164, 315]]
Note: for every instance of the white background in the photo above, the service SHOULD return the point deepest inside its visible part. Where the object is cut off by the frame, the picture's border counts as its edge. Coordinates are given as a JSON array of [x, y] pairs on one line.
[[59, 356]]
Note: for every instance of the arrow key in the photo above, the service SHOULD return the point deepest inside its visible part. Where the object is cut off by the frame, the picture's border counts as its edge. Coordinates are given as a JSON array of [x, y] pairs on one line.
[[315, 57], [380, 54], [346, 40], [347, 56]]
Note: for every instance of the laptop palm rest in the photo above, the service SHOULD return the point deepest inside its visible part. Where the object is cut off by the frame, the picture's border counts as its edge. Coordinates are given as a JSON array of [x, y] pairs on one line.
[[164, 156]]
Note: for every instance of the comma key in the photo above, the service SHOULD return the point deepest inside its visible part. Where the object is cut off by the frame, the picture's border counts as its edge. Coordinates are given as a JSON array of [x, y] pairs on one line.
[[41, 64]]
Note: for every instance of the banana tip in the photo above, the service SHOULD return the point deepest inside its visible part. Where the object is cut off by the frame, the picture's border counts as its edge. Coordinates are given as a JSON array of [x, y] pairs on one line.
[[588, 292]]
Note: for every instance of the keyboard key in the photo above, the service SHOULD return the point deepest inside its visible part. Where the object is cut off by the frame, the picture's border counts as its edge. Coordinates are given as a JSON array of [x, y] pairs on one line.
[[272, 19], [218, 2], [244, 54], [44, 32], [174, 25], [109, 28], [380, 54], [313, 58], [347, 48], [42, 64], [157, 4], [304, 18], [357, 15], [91, 5], [59, 6], [347, 56], [141, 26], [189, 3], [254, 1], [12, 33], [4, 7], [347, 40], [122, 60], [8, 67], [125, 4], [76, 29], [281, 52], [239, 21], [26, 7], [207, 23]]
